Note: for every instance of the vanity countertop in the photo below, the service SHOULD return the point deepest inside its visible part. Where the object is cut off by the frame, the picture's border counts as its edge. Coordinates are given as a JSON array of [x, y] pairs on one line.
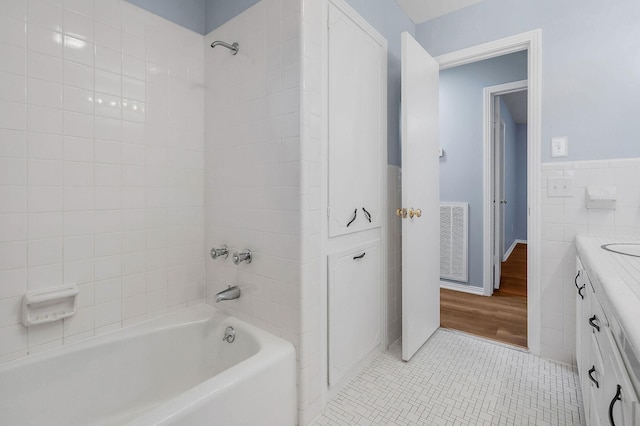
[[619, 277]]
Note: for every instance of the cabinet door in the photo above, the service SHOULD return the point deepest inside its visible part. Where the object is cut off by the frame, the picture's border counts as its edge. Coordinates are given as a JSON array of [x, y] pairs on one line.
[[356, 111], [586, 332], [354, 307], [579, 282], [619, 397]]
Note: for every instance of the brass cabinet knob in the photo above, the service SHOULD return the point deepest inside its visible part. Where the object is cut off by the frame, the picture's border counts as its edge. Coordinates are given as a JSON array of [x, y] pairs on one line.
[[401, 213]]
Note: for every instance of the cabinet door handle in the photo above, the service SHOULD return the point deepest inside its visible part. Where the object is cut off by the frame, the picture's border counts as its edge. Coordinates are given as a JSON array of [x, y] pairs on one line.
[[592, 324], [591, 371], [355, 214], [613, 402], [367, 214], [359, 256], [578, 287]]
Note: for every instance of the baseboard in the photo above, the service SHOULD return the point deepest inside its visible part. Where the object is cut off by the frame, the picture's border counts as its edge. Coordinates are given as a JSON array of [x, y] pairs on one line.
[[508, 253], [462, 287]]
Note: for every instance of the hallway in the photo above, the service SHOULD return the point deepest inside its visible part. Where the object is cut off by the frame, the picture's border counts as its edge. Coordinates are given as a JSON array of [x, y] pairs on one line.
[[501, 317]]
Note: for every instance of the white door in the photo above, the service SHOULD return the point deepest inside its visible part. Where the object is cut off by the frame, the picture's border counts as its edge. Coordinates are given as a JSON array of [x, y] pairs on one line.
[[420, 190], [497, 150]]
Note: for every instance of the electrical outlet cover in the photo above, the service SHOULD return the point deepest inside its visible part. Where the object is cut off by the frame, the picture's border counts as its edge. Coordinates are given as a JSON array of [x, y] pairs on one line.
[[560, 187], [559, 147]]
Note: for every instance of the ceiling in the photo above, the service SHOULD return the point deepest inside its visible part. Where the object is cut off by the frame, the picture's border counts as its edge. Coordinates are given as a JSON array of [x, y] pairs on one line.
[[517, 105], [423, 10]]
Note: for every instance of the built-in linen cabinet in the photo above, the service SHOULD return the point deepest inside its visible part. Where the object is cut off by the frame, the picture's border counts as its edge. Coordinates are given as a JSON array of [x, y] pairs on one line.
[[608, 394], [354, 163]]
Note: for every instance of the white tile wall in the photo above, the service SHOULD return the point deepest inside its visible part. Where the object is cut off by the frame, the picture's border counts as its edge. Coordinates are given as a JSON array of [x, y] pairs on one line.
[[262, 189], [312, 360], [394, 255], [562, 219], [253, 173], [101, 165]]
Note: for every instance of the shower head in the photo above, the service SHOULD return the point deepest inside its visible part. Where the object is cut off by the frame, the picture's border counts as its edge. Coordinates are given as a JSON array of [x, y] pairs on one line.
[[233, 47]]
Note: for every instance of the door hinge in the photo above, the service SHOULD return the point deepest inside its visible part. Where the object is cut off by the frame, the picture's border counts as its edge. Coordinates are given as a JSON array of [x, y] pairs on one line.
[[328, 211]]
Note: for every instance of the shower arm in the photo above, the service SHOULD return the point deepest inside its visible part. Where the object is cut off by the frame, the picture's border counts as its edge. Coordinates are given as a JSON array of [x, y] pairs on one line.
[[233, 47]]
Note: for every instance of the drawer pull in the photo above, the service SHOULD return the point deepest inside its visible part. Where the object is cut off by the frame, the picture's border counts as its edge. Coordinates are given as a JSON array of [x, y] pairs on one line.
[[591, 371], [355, 214], [367, 214], [613, 402], [578, 287], [592, 324], [359, 256]]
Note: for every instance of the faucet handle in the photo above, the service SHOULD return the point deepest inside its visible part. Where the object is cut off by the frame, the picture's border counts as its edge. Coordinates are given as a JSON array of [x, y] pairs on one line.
[[216, 253], [244, 256]]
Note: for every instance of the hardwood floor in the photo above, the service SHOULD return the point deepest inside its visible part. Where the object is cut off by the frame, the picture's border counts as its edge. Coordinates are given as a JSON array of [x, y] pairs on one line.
[[501, 317]]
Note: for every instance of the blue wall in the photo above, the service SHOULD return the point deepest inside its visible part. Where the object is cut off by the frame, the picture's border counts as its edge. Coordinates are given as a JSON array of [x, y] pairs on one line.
[[188, 13], [590, 66], [217, 12], [201, 16], [461, 137]]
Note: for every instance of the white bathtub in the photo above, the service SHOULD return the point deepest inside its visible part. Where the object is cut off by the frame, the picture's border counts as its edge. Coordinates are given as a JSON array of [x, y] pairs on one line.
[[172, 370]]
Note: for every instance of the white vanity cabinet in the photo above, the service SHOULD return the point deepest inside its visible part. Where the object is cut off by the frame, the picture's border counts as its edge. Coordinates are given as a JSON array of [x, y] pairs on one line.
[[357, 61], [608, 393]]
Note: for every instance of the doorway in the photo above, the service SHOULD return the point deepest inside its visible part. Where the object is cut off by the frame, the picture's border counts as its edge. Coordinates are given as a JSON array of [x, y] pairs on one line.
[[500, 248], [503, 316], [505, 121]]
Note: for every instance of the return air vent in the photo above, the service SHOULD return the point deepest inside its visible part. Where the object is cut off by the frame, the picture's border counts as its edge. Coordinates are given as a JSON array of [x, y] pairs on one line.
[[454, 224]]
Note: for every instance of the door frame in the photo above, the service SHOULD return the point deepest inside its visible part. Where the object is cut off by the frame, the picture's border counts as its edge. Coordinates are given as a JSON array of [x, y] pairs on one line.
[[490, 94], [531, 42]]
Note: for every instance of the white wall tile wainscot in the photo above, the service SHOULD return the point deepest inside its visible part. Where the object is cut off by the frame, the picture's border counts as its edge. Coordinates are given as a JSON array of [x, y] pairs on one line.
[[562, 219], [101, 166]]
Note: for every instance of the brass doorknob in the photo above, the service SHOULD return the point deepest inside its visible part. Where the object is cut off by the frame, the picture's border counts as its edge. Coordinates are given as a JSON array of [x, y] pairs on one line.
[[401, 213], [416, 212]]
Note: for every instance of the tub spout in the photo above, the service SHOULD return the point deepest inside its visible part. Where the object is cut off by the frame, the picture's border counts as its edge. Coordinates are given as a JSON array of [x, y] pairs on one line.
[[232, 292]]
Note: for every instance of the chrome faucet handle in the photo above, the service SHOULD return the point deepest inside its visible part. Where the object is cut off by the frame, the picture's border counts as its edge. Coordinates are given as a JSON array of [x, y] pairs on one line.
[[216, 253], [244, 256]]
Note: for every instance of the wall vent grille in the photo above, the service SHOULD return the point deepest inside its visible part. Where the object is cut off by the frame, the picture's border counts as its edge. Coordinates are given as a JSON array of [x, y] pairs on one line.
[[454, 225]]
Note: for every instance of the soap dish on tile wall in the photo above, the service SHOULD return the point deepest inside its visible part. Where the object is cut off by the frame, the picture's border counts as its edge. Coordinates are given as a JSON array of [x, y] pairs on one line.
[[601, 197], [48, 305]]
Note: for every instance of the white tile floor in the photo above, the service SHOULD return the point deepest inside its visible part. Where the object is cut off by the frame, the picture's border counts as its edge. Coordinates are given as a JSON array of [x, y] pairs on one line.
[[455, 379]]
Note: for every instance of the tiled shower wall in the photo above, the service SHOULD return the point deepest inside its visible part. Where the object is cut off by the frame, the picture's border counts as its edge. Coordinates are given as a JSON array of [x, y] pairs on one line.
[[252, 133], [312, 358], [101, 165], [562, 219], [394, 255]]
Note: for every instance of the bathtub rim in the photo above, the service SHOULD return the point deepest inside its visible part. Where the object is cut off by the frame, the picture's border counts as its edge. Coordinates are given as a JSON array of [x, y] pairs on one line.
[[193, 314]]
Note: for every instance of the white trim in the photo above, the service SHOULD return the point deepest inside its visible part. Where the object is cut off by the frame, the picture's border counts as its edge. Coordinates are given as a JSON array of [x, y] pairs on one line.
[[492, 49], [508, 252], [531, 42], [489, 93], [462, 288]]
